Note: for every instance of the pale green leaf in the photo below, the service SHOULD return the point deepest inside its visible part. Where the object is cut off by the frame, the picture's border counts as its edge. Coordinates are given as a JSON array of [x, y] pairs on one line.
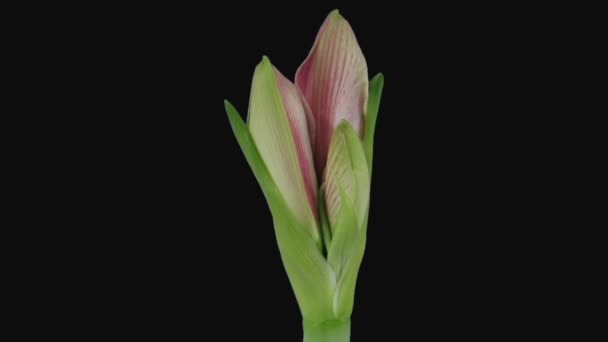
[[270, 129], [311, 277]]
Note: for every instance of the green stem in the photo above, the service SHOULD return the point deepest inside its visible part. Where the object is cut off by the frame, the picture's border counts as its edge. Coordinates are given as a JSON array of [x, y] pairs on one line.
[[328, 331]]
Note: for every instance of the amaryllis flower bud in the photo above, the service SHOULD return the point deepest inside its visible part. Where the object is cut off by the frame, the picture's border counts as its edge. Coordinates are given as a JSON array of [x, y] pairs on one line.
[[310, 147]]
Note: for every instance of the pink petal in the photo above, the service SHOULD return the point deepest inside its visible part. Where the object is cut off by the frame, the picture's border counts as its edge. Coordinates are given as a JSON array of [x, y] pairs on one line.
[[299, 116], [334, 80], [278, 125]]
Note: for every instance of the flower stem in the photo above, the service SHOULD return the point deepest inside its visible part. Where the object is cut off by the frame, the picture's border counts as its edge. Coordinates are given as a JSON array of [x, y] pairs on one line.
[[328, 331]]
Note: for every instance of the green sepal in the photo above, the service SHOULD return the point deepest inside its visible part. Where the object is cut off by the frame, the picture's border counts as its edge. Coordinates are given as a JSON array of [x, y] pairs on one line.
[[344, 296], [345, 256], [349, 233]]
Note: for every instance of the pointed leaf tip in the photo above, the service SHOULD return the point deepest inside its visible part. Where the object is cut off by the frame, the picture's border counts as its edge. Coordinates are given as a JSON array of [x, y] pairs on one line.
[[230, 110], [227, 104], [343, 126], [378, 78], [265, 61]]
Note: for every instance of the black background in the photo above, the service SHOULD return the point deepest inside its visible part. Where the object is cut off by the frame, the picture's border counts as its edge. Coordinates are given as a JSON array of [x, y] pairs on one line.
[[186, 240]]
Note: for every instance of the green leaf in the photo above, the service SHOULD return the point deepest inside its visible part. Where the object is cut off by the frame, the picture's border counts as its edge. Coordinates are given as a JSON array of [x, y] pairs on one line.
[[241, 132], [311, 277], [373, 104]]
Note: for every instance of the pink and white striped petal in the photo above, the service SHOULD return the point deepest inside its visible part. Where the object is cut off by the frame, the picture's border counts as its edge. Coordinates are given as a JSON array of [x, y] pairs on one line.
[[302, 128], [278, 124], [334, 81]]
